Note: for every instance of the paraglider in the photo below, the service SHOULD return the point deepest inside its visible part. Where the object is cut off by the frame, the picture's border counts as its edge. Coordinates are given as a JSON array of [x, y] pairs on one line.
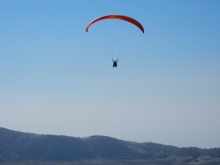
[[116, 16], [119, 17], [115, 63]]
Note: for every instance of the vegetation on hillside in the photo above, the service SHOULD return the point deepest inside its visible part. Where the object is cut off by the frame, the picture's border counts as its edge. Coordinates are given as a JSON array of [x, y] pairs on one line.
[[17, 147]]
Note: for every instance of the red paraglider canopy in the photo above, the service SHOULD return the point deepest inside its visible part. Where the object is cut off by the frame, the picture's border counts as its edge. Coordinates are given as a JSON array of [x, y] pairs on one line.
[[116, 16]]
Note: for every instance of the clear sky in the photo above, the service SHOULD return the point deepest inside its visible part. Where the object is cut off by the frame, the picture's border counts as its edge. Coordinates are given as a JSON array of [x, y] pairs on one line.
[[57, 79]]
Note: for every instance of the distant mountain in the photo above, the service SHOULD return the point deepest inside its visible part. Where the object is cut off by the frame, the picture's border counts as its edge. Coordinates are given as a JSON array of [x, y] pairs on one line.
[[18, 146]]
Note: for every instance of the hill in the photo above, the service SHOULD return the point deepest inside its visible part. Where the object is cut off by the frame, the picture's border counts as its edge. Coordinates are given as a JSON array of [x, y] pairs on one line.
[[20, 147]]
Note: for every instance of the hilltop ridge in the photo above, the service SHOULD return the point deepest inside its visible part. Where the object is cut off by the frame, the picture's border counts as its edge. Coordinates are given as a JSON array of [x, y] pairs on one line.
[[18, 146]]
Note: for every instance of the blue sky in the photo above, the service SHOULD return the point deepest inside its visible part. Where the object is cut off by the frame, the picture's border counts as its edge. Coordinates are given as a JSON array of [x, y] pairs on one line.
[[57, 79]]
